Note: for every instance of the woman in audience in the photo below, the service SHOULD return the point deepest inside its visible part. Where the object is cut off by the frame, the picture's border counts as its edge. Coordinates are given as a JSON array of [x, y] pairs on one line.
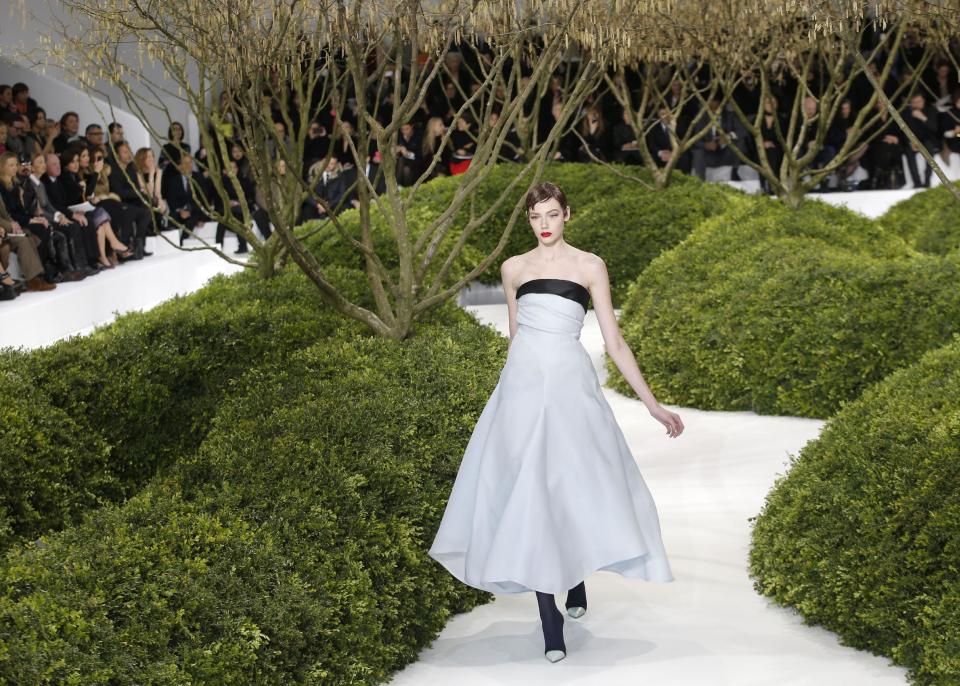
[[432, 145], [463, 144], [75, 193], [950, 128], [132, 222], [149, 178], [596, 141], [171, 151]]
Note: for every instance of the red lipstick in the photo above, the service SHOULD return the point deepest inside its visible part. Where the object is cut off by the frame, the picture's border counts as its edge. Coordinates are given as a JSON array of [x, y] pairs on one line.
[[546, 234]]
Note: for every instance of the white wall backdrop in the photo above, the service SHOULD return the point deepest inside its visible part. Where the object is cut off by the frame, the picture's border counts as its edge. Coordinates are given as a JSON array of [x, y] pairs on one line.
[[21, 27]]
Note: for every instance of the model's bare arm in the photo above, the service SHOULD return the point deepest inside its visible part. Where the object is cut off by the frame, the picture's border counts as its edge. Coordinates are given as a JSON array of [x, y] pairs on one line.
[[508, 279], [620, 352]]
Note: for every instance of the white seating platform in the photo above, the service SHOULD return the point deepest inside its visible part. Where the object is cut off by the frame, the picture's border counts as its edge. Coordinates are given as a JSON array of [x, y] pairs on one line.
[[76, 307]]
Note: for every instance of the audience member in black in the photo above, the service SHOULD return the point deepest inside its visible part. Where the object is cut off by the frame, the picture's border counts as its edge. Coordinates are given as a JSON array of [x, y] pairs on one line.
[[332, 188], [81, 243], [658, 139], [234, 207], [22, 102], [807, 138], [51, 246], [93, 136], [940, 82], [315, 145], [344, 143], [714, 149], [924, 121], [463, 143], [149, 184], [409, 144], [14, 142], [179, 193], [6, 98], [882, 159], [512, 149], [114, 138], [950, 128], [747, 94], [239, 155], [75, 193], [89, 233], [374, 179], [625, 147], [171, 150], [432, 146], [69, 131], [772, 129], [133, 223]]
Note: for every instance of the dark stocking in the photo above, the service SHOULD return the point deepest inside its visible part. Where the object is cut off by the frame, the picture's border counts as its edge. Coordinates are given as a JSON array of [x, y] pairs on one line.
[[577, 596], [552, 622]]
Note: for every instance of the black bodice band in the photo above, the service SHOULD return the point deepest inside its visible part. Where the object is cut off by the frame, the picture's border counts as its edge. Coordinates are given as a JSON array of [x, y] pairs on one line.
[[562, 287]]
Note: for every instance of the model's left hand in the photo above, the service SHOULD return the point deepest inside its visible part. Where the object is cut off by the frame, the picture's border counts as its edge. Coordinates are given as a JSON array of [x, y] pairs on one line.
[[669, 419]]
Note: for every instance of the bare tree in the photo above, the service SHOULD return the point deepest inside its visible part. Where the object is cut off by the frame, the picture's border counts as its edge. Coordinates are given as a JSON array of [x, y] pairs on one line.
[[243, 65]]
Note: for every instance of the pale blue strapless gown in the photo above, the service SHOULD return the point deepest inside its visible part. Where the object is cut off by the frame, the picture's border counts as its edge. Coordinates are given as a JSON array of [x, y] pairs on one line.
[[548, 490]]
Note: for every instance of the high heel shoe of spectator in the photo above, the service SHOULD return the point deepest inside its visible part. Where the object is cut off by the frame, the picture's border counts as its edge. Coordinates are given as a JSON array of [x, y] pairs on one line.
[[105, 263], [124, 255], [8, 287]]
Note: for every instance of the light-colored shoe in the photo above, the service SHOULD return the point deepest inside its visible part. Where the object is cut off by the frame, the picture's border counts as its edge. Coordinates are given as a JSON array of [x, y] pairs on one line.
[[555, 655], [576, 612]]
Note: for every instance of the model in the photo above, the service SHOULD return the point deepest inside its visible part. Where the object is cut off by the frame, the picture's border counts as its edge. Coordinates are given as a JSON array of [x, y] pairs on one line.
[[548, 490]]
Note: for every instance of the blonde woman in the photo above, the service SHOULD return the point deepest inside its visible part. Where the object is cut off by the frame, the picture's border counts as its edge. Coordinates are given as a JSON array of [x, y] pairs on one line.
[[150, 180], [432, 137]]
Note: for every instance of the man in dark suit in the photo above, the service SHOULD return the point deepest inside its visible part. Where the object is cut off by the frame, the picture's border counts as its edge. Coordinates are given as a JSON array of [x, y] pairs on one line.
[[176, 189]]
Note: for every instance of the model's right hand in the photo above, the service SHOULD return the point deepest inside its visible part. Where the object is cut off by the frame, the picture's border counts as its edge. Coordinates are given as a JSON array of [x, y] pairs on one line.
[[669, 419]]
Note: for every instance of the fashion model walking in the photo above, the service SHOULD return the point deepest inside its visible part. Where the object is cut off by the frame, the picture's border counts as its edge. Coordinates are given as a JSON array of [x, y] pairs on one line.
[[548, 490]]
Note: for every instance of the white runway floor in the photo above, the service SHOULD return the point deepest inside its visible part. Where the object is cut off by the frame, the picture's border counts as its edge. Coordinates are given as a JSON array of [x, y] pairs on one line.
[[706, 628]]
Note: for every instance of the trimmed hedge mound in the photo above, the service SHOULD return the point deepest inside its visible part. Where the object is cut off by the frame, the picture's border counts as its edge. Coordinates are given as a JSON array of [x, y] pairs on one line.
[[291, 549], [135, 395], [862, 535], [624, 222], [929, 220], [789, 312]]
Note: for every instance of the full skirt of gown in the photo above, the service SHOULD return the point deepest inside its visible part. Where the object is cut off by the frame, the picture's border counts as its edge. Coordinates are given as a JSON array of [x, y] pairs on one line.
[[548, 490]]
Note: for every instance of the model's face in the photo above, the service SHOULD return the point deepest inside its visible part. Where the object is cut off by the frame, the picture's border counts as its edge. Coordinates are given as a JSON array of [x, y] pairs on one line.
[[547, 219]]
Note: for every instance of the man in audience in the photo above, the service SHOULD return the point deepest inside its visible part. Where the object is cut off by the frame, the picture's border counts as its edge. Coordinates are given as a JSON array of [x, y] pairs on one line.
[[69, 131], [93, 136], [177, 188], [924, 122], [22, 102], [25, 247], [115, 132]]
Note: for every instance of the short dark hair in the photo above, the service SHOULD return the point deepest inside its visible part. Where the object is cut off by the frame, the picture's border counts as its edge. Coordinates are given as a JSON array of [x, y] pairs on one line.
[[19, 88], [544, 191], [63, 119], [91, 127], [113, 126]]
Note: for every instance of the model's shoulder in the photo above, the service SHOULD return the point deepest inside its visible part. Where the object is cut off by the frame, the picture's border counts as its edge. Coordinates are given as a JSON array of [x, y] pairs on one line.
[[510, 268], [591, 262]]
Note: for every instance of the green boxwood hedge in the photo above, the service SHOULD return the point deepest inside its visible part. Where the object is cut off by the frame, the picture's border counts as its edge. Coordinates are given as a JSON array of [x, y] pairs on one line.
[[862, 534], [290, 549], [782, 311], [929, 220], [135, 395], [623, 221]]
